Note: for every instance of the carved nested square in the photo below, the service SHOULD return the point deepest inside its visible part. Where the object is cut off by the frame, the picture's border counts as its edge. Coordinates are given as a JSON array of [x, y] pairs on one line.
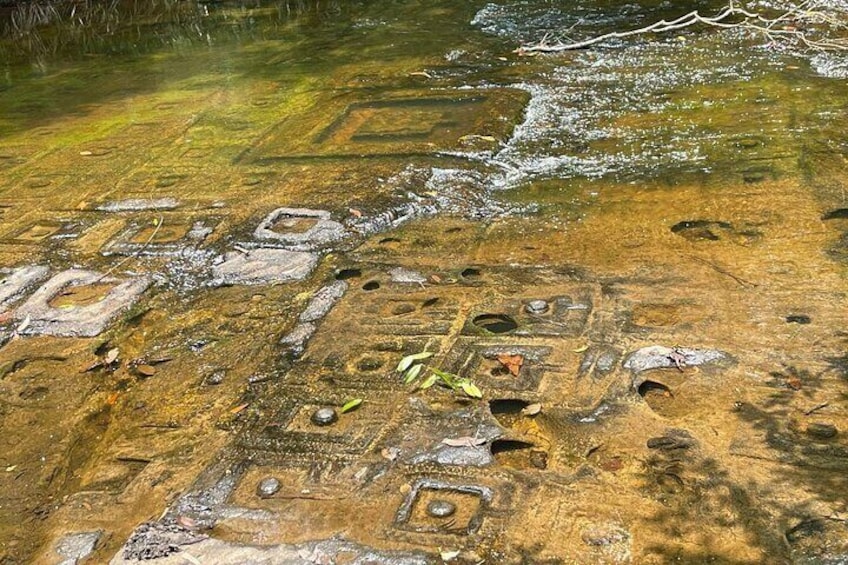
[[78, 303], [160, 235], [402, 123], [438, 507], [515, 367], [318, 426]]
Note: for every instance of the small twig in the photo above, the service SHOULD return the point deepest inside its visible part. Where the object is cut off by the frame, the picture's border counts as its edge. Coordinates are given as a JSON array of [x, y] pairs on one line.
[[724, 272], [750, 21], [134, 255], [816, 408]]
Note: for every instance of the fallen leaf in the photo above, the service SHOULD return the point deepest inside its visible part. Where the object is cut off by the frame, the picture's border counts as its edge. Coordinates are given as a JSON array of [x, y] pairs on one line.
[[350, 405], [471, 389], [511, 362], [449, 555], [413, 373], [390, 453], [531, 409], [93, 366], [111, 356], [430, 381], [355, 213], [794, 383], [581, 349], [11, 468], [145, 370], [86, 153], [239, 408], [435, 278], [424, 74], [186, 522], [407, 361], [112, 398], [466, 441]]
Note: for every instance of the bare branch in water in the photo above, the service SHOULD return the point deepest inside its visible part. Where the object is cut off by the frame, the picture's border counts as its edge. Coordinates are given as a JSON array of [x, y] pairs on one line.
[[785, 28]]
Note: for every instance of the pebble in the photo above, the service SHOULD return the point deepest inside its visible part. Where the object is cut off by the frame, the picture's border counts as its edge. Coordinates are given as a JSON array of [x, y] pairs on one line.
[[324, 416], [441, 508], [536, 307], [215, 378], [268, 487], [819, 430]]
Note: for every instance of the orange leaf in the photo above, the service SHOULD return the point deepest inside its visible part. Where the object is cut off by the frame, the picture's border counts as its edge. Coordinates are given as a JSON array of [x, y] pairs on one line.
[[511, 362], [239, 408], [112, 399]]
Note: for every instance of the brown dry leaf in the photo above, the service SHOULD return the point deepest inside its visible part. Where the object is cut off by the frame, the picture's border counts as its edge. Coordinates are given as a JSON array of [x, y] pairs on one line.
[[355, 213], [186, 522], [94, 366], [146, 370], [435, 278], [466, 441], [531, 409], [239, 408], [113, 398], [390, 453], [794, 383], [512, 362], [424, 74]]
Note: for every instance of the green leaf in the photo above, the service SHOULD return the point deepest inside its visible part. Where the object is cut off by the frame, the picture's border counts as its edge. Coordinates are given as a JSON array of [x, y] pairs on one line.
[[407, 361], [430, 381], [350, 405], [412, 373], [471, 389], [447, 378]]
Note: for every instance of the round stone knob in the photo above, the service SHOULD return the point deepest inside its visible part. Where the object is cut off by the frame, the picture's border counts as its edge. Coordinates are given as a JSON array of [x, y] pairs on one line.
[[267, 487], [441, 508], [324, 416], [536, 307]]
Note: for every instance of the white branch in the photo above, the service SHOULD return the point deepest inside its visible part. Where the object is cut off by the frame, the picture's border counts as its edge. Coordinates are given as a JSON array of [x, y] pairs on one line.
[[750, 21]]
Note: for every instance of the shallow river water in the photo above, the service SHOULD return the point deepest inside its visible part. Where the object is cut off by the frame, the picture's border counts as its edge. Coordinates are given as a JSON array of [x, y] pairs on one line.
[[224, 225]]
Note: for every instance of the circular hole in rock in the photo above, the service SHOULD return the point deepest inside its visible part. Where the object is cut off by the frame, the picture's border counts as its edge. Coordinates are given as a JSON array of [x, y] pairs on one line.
[[652, 388], [507, 406], [495, 323], [346, 274], [518, 454], [508, 445], [471, 273], [371, 285], [658, 397], [837, 214], [402, 309], [369, 364]]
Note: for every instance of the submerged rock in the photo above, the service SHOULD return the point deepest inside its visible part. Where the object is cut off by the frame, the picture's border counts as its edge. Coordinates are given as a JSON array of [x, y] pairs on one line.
[[660, 357], [153, 540], [133, 204], [86, 319], [406, 276], [281, 226], [16, 282], [77, 546], [323, 301], [263, 266]]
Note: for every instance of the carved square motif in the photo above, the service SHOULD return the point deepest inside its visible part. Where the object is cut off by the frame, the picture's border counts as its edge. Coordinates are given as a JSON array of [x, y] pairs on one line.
[[438, 507]]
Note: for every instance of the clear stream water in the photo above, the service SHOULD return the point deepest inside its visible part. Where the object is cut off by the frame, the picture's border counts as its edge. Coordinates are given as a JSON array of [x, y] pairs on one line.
[[698, 176]]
